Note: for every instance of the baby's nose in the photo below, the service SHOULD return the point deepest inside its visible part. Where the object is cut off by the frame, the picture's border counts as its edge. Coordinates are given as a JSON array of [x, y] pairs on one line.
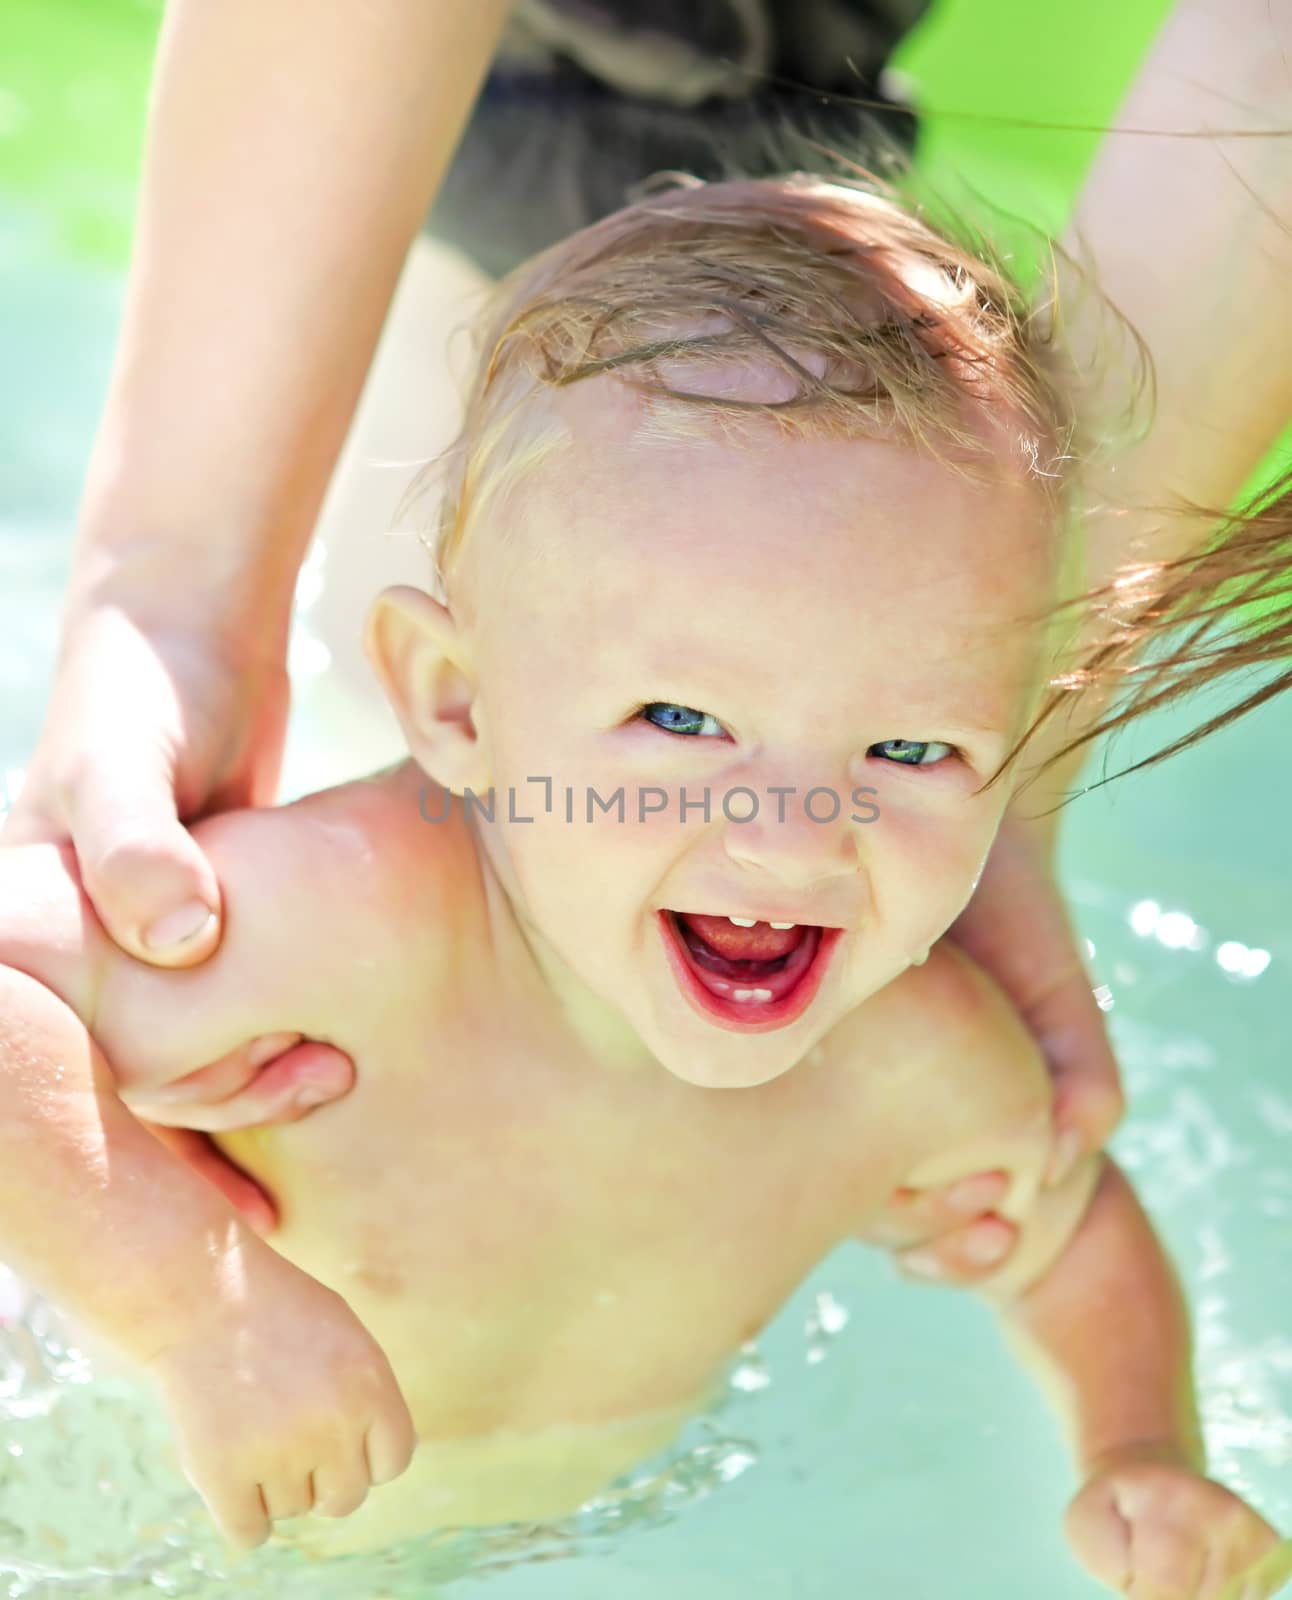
[[801, 839]]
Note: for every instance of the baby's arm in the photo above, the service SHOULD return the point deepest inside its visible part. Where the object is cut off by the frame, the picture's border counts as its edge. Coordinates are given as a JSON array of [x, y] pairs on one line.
[[1091, 1304], [280, 1398], [1105, 1329]]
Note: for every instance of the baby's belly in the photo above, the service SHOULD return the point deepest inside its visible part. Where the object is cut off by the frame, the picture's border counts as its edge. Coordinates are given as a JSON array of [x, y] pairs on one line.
[[548, 1335]]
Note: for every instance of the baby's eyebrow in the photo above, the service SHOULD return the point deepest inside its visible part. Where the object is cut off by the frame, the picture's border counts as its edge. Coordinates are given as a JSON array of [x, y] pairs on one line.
[[705, 681], [954, 721], [957, 726]]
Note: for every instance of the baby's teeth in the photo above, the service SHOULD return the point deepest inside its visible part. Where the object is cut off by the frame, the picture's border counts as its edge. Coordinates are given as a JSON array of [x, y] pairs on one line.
[[751, 994], [780, 924], [745, 922]]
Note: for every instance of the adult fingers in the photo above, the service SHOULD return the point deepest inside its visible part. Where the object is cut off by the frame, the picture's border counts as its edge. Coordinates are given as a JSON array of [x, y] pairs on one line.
[[964, 1257], [1088, 1097], [918, 1216], [150, 884], [277, 1078], [244, 1194]]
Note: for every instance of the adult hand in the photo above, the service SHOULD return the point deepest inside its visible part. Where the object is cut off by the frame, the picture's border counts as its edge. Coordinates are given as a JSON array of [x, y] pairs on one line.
[[239, 365], [277, 1078], [152, 721], [1016, 927]]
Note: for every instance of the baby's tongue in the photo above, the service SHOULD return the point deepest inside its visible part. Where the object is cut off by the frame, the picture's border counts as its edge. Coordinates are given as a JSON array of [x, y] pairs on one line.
[[762, 942]]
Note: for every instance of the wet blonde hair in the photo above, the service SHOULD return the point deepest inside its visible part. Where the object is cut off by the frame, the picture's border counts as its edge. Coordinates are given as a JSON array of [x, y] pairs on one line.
[[864, 320], [1173, 628]]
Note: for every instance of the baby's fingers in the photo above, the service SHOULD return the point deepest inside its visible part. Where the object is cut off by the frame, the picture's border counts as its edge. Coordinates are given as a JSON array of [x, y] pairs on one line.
[[236, 1507], [1141, 1560], [341, 1487], [1265, 1568], [389, 1444], [290, 1494], [1100, 1535], [1240, 1545], [1167, 1563]]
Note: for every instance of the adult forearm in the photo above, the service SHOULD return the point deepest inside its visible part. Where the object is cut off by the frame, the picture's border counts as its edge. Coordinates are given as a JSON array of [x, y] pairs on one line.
[[1106, 1333], [293, 149], [94, 1211], [1185, 219]]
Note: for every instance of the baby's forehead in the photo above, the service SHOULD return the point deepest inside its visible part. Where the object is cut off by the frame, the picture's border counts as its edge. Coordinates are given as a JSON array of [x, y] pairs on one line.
[[773, 564], [629, 496]]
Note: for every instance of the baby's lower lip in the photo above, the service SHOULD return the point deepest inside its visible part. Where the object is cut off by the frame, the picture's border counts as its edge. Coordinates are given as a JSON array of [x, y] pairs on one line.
[[753, 1015]]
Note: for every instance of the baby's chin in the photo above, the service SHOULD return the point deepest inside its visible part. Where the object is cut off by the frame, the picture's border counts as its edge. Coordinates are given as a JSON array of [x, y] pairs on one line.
[[717, 1059], [732, 1069]]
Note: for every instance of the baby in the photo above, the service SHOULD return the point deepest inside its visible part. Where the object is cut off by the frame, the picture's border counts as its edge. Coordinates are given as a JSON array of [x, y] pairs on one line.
[[756, 519]]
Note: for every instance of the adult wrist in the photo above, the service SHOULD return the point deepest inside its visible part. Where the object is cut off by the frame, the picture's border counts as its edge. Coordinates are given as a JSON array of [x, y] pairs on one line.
[[219, 585], [189, 551]]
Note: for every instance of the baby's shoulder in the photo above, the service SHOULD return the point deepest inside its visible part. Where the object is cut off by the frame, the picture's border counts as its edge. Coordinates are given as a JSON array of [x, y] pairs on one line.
[[368, 830], [339, 912], [359, 863]]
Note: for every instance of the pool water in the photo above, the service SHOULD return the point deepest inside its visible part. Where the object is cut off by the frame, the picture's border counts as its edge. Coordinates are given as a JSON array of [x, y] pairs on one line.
[[878, 1441]]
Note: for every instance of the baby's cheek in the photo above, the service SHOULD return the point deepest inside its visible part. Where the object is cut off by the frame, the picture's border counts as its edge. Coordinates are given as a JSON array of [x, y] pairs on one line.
[[923, 869]]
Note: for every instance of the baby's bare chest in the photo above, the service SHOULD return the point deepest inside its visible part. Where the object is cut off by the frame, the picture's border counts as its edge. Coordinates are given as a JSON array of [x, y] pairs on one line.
[[533, 1241]]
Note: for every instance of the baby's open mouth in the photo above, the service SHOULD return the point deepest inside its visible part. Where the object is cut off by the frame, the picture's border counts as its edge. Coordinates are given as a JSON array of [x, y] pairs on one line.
[[754, 978]]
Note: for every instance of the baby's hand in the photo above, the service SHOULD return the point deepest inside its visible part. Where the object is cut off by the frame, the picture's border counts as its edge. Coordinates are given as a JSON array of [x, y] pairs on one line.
[[1151, 1527], [282, 1403]]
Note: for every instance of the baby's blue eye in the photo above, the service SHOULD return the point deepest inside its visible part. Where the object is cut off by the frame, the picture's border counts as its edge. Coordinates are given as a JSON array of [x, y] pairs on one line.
[[912, 752], [680, 719]]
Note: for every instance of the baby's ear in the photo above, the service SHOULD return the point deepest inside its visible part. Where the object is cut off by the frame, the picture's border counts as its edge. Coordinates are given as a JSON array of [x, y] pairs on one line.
[[419, 654]]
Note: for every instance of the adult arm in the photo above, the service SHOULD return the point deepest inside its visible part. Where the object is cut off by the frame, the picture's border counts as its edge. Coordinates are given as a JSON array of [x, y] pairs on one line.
[[1186, 218], [293, 150]]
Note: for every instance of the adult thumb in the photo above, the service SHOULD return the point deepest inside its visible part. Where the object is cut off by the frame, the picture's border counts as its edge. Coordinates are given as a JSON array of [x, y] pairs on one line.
[[149, 882]]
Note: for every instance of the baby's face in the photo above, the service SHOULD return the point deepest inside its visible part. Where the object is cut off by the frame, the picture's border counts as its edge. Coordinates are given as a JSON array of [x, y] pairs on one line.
[[824, 629]]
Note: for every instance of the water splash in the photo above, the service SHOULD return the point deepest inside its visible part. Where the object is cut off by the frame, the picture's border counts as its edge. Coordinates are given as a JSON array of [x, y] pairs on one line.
[[825, 1322]]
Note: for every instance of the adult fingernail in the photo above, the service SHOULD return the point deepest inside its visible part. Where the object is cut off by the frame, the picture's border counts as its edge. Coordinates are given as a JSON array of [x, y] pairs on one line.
[[181, 926], [976, 1194], [985, 1246], [922, 1264], [1067, 1152], [270, 1045]]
